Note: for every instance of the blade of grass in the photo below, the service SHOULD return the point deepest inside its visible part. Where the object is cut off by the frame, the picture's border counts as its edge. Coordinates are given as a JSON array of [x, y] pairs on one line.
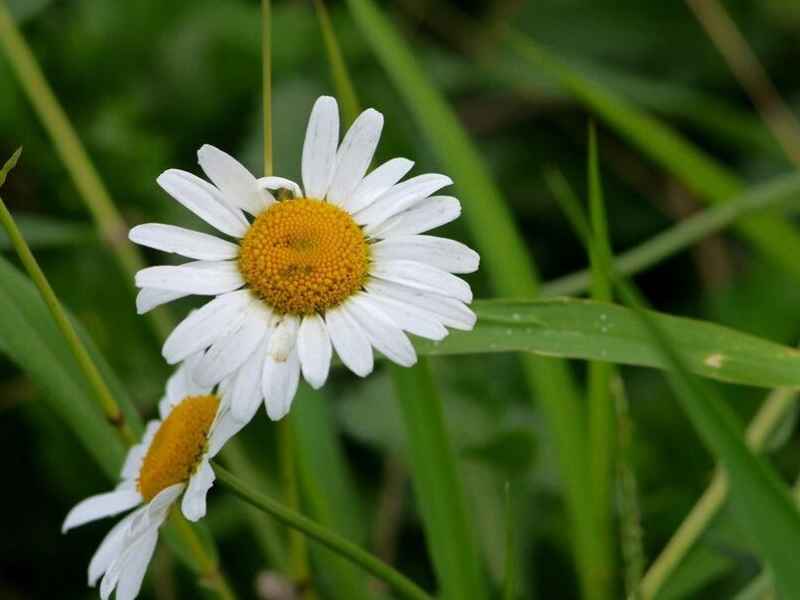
[[403, 586], [510, 580], [503, 254], [437, 485], [110, 224], [345, 90], [777, 240], [780, 193]]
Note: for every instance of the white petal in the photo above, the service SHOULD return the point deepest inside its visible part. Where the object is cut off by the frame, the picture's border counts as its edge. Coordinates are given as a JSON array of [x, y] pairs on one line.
[[195, 195], [235, 182], [400, 197], [284, 338], [110, 549], [314, 350], [182, 383], [148, 298], [280, 183], [442, 253], [421, 216], [225, 427], [381, 331], [376, 183], [229, 353], [205, 325], [101, 506], [138, 558], [193, 504], [451, 312], [355, 154], [201, 278], [422, 276], [133, 460], [409, 317], [349, 341], [245, 387], [279, 382], [319, 149], [192, 244]]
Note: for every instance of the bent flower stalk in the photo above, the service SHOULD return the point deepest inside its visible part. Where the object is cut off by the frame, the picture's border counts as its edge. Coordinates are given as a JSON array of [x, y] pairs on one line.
[[171, 461], [337, 264]]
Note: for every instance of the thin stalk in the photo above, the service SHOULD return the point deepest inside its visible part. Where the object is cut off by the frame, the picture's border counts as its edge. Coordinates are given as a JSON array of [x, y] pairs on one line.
[[750, 73], [266, 81], [341, 76], [111, 226], [209, 569], [773, 195], [102, 393], [774, 409], [403, 586]]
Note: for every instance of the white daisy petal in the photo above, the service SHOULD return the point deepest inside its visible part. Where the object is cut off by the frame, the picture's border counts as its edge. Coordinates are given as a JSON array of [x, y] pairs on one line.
[[381, 331], [133, 460], [400, 197], [229, 353], [409, 317], [279, 382], [181, 384], [451, 312], [132, 575], [420, 217], [442, 253], [319, 148], [235, 182], [187, 189], [349, 341], [204, 278], [376, 183], [422, 276], [280, 183], [314, 350], [284, 338], [101, 506], [149, 298], [225, 427], [110, 548], [355, 154], [245, 387], [205, 325], [188, 243], [193, 504]]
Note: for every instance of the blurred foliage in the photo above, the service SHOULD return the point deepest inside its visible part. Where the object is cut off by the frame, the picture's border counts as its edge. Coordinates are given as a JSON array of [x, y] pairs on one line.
[[146, 83]]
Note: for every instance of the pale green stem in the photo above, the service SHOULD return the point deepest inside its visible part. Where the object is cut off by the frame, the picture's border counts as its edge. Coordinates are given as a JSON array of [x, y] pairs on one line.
[[110, 224], [341, 76], [208, 567], [772, 411], [266, 81], [682, 235], [404, 587]]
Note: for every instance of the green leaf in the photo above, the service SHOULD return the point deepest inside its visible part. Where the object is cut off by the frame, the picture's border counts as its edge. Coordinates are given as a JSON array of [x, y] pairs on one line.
[[438, 486], [9, 164], [776, 239], [574, 328]]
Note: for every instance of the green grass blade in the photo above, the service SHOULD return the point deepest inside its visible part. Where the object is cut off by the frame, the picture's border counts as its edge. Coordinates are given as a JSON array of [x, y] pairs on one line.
[[775, 239], [437, 485], [761, 501], [48, 233], [503, 252], [345, 90], [780, 193], [573, 328]]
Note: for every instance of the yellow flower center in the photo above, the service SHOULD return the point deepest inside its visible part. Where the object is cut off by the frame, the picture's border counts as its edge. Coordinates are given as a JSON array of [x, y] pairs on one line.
[[178, 445], [304, 256]]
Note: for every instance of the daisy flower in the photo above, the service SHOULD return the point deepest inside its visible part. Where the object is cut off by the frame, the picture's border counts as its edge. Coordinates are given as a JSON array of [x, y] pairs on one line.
[[339, 264], [171, 460]]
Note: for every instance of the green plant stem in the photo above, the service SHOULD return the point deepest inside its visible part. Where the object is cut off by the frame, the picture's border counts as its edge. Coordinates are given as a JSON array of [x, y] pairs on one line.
[[101, 391], [266, 81], [111, 226], [775, 194], [341, 76], [774, 409], [208, 567], [403, 586]]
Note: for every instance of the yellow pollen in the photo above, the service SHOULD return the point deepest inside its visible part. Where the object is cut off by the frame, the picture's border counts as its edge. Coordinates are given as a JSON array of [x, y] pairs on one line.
[[178, 445], [304, 256]]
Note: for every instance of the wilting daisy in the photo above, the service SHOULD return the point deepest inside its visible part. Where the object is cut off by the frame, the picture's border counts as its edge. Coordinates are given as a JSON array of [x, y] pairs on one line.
[[338, 264], [171, 460]]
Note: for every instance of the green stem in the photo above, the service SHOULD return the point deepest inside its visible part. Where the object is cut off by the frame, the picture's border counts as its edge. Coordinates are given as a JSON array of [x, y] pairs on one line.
[[110, 224], [775, 194], [341, 76], [298, 553], [777, 405], [208, 567], [403, 586], [266, 81], [102, 393]]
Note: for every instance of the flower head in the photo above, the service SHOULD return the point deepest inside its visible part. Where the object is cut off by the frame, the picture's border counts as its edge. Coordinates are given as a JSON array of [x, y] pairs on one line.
[[171, 461], [339, 264]]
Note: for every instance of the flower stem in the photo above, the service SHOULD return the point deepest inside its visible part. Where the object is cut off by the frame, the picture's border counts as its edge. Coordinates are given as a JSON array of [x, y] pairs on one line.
[[110, 224], [208, 567], [404, 587], [266, 76]]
